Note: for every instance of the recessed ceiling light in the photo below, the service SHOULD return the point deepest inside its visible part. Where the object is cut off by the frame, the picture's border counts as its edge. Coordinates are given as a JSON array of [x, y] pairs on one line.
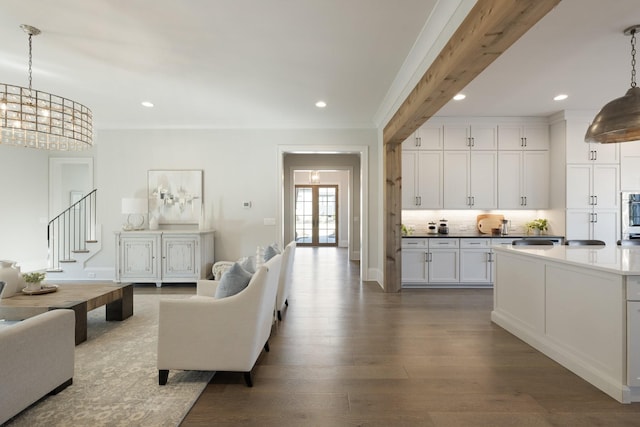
[[459, 97], [321, 104], [560, 97], [147, 104]]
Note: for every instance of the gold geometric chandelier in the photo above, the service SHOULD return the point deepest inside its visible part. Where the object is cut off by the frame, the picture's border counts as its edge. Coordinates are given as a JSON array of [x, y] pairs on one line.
[[35, 119]]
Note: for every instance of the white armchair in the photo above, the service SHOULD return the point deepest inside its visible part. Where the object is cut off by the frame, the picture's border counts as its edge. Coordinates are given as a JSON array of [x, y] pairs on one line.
[[284, 282], [228, 334]]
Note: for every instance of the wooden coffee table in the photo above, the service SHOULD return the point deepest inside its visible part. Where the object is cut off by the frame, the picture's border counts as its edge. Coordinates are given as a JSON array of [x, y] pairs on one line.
[[79, 297]]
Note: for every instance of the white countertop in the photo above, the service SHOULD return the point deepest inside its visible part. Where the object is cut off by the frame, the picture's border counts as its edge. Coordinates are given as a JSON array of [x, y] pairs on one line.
[[624, 260]]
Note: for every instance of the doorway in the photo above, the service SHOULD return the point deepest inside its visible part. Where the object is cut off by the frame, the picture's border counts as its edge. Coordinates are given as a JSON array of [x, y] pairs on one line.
[[316, 215]]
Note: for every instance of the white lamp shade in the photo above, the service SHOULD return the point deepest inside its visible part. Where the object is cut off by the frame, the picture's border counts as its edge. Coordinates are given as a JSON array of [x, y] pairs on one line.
[[134, 206]]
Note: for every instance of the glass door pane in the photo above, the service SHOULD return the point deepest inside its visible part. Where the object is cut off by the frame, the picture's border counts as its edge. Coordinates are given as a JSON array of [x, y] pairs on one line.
[[304, 215], [327, 215], [316, 213]]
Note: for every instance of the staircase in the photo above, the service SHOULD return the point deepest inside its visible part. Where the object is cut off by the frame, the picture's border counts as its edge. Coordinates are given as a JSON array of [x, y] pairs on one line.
[[72, 239]]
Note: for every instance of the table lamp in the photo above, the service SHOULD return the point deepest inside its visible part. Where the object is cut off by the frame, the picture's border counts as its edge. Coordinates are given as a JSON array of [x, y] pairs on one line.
[[135, 209]]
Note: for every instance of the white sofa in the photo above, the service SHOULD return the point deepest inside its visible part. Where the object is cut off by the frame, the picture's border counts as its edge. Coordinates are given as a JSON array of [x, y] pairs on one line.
[[36, 359], [284, 282], [228, 334]]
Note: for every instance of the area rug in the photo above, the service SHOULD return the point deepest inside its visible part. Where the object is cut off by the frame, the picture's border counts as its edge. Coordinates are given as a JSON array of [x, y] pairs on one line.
[[116, 379]]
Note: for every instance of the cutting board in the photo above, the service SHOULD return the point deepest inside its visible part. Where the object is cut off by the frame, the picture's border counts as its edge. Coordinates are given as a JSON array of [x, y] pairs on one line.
[[486, 222]]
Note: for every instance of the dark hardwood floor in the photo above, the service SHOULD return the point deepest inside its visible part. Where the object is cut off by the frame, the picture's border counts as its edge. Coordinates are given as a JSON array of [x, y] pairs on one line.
[[347, 354]]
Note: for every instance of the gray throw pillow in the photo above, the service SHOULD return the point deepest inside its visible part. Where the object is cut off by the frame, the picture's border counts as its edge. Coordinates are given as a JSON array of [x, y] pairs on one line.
[[269, 253], [248, 263], [233, 281]]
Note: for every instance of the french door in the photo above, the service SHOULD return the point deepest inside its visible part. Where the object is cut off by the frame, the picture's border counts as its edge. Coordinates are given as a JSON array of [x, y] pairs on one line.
[[316, 215]]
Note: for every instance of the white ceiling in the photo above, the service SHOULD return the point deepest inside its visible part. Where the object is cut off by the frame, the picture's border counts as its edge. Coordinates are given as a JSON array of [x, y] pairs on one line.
[[259, 63]]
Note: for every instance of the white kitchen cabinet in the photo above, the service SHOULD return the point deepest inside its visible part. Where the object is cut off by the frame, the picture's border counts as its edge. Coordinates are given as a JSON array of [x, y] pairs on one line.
[[414, 261], [579, 151], [523, 179], [633, 331], [426, 137], [470, 137], [593, 202], [422, 180], [428, 262], [531, 136], [443, 260], [599, 224], [168, 256], [470, 179], [629, 170], [475, 261], [593, 186]]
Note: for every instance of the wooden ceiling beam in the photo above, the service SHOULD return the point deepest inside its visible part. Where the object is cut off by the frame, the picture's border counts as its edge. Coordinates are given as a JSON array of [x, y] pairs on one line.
[[489, 29]]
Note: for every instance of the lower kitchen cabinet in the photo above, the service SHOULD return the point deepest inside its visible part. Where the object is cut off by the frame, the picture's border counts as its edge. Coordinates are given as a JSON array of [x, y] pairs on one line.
[[430, 262], [476, 261], [167, 256], [450, 262]]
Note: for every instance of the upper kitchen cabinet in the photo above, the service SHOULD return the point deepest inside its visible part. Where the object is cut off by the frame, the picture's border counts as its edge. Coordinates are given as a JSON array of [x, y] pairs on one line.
[[532, 136], [427, 137], [579, 151], [421, 179], [470, 137], [629, 170], [523, 179], [470, 179]]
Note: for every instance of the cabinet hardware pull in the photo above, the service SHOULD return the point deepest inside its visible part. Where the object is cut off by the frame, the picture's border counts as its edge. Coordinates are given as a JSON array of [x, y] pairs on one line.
[[525, 200], [473, 200], [595, 216], [595, 154], [426, 257], [418, 141], [525, 141], [473, 142], [595, 198]]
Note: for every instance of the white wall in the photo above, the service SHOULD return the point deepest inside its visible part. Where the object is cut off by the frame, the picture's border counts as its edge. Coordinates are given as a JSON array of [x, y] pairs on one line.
[[24, 200], [238, 165]]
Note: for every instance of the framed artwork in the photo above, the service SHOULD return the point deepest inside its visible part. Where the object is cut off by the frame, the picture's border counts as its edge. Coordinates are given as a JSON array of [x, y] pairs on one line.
[[175, 196]]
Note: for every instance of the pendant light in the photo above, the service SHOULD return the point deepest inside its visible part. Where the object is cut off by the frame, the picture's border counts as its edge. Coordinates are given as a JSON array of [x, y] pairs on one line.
[[619, 120], [36, 119]]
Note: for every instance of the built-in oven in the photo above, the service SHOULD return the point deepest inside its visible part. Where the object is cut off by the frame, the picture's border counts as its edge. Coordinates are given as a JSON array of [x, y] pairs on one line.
[[630, 213]]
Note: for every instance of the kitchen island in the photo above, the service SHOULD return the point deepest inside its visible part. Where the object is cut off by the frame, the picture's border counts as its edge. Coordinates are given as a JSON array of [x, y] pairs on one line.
[[579, 305]]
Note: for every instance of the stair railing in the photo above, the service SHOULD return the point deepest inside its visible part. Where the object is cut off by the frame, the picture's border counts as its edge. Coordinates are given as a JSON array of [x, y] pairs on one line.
[[69, 232]]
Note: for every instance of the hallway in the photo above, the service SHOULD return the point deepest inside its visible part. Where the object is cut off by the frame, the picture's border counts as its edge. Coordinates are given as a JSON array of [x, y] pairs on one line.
[[348, 354]]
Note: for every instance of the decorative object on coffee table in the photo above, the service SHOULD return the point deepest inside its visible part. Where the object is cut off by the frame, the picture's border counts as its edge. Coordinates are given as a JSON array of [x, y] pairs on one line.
[[10, 274], [33, 281]]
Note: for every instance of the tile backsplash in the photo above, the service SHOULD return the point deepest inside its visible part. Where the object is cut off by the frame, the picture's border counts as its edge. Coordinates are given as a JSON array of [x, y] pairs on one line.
[[465, 221]]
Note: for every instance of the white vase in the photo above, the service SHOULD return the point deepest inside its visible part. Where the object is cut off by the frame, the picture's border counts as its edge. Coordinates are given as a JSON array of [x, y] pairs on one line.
[[10, 274], [153, 223], [33, 286]]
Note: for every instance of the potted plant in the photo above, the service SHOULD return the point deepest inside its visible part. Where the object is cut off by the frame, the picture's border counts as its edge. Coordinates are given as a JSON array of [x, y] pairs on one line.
[[537, 226], [33, 280]]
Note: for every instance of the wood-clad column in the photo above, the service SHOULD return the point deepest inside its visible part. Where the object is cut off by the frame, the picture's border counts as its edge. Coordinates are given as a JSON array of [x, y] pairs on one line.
[[489, 29], [393, 208]]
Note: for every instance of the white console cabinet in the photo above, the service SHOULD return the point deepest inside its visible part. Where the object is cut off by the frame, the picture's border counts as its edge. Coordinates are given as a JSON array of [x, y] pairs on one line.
[[164, 256]]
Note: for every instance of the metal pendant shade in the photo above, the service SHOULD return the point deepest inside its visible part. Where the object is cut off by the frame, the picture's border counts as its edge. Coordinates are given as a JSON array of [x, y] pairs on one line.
[[619, 120]]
